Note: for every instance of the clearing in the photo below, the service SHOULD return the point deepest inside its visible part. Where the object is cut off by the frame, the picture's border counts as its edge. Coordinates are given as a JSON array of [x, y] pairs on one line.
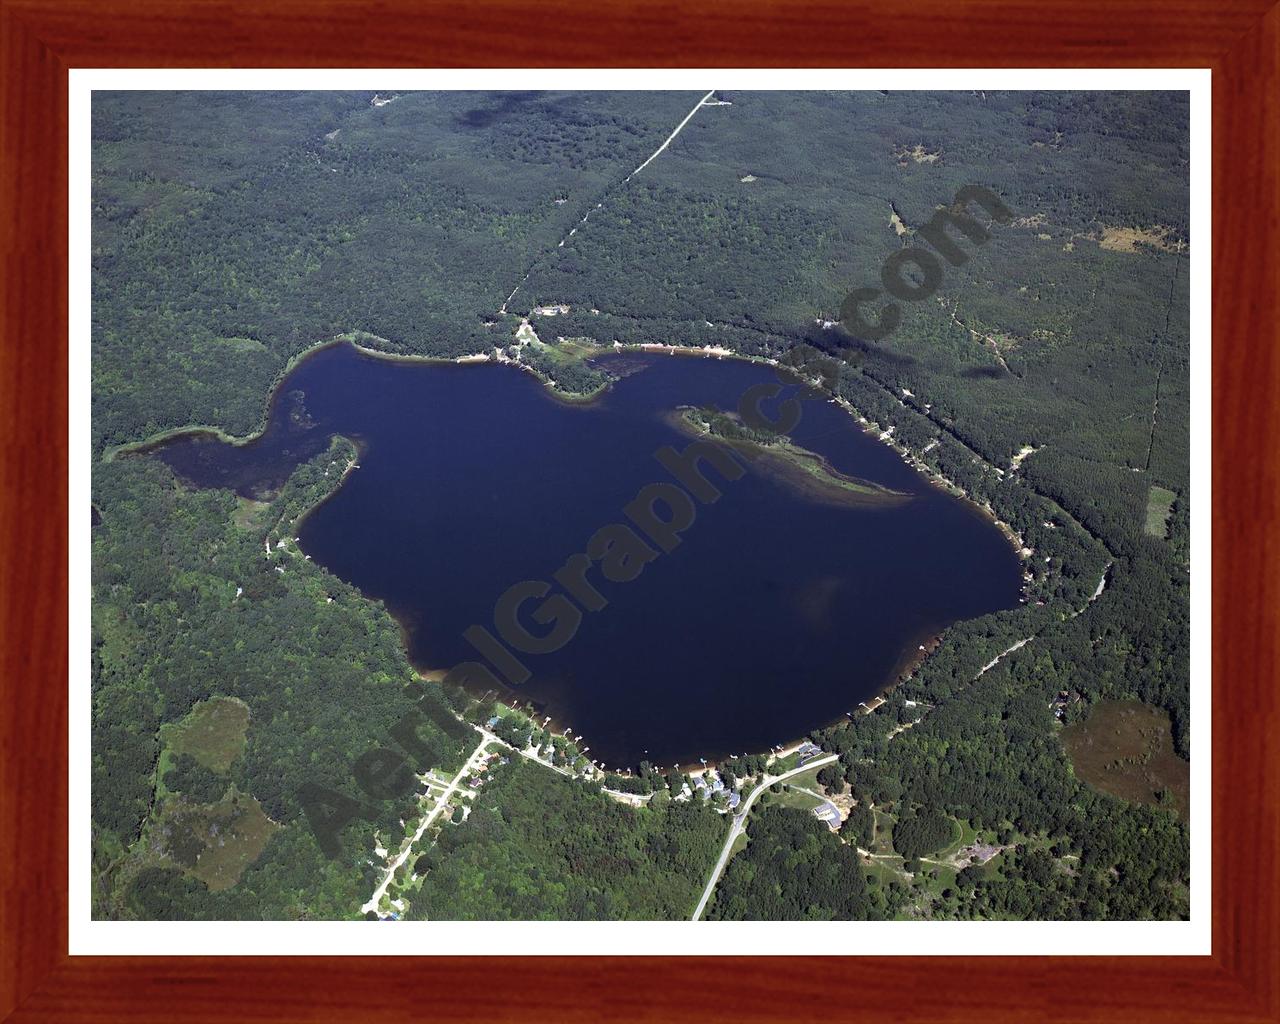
[[1125, 748], [212, 732], [917, 153], [215, 842], [248, 513], [1128, 239], [1159, 505]]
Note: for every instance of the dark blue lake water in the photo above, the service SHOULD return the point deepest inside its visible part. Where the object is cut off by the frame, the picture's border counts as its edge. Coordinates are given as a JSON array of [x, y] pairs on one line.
[[776, 614]]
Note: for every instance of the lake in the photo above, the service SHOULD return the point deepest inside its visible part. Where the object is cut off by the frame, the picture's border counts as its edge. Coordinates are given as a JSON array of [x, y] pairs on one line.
[[778, 611]]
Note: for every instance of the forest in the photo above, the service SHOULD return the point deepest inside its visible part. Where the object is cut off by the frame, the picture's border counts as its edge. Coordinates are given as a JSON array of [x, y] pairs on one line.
[[538, 847], [1048, 379]]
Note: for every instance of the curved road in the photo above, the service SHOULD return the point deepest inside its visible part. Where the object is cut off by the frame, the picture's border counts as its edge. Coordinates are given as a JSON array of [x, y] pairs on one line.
[[739, 823]]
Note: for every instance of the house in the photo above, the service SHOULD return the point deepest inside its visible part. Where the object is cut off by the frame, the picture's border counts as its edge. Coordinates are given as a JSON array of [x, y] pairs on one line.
[[1063, 701], [830, 813]]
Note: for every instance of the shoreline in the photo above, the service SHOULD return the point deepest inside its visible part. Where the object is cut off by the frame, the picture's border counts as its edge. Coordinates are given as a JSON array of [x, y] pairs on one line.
[[904, 668], [361, 447], [354, 338], [934, 477], [907, 665], [141, 447], [915, 652]]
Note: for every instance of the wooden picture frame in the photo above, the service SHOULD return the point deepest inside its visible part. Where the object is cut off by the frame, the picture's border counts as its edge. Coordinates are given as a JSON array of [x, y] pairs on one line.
[[41, 40]]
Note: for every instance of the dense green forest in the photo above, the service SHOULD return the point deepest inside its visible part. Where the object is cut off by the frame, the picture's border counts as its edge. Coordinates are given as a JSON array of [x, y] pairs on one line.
[[233, 230], [188, 605], [794, 869], [539, 847], [1047, 378]]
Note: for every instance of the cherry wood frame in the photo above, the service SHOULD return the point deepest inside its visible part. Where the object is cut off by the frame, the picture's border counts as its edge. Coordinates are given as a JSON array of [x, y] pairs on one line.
[[41, 39]]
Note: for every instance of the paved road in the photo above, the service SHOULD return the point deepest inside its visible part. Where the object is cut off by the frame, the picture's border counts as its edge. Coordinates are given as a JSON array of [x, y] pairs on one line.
[[630, 799], [492, 738], [740, 820], [471, 763]]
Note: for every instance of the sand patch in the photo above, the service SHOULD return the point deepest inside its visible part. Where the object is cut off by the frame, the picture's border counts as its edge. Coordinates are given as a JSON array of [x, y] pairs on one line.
[[1121, 239], [917, 153]]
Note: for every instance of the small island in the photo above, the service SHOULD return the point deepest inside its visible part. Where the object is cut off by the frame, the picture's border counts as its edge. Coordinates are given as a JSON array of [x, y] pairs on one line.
[[777, 455]]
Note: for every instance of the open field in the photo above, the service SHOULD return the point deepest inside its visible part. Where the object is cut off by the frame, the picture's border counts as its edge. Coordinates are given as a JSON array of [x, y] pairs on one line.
[[793, 796], [248, 513], [216, 842], [212, 732], [1125, 748], [1159, 504]]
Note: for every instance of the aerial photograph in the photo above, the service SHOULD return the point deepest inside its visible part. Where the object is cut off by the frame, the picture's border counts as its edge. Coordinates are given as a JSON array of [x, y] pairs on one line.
[[614, 505]]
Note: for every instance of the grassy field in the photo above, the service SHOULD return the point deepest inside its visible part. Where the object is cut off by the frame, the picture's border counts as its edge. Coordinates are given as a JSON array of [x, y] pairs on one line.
[[1125, 748], [791, 796], [248, 513], [212, 732], [1159, 504], [885, 870], [807, 779], [216, 842], [782, 765], [884, 832], [570, 349]]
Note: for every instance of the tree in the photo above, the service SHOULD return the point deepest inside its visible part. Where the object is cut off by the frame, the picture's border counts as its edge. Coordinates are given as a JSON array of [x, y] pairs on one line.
[[926, 831], [831, 778]]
